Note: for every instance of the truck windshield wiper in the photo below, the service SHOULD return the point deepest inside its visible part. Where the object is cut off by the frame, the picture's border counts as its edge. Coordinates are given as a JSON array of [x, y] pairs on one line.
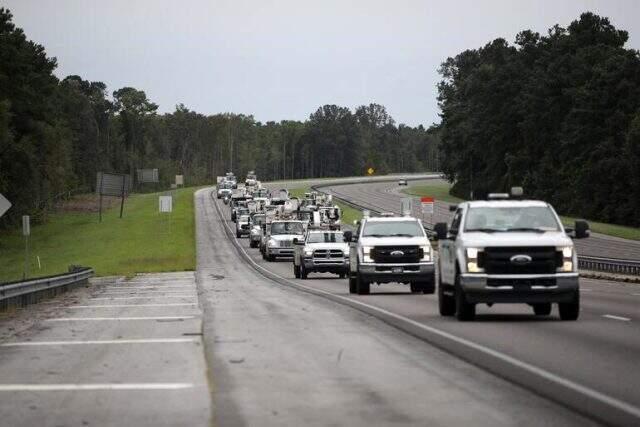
[[401, 235], [537, 230], [375, 235], [484, 230]]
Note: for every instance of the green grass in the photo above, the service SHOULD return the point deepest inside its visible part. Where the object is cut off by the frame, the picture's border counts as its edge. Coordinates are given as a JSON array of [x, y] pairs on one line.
[[349, 214], [143, 241], [438, 191], [441, 192]]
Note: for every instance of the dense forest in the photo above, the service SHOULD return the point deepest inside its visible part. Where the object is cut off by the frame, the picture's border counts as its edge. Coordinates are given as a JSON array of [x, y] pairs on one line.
[[558, 114], [56, 134]]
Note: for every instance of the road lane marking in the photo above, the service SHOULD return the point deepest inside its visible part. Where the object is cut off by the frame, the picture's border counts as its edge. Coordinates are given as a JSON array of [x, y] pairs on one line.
[[151, 287], [74, 319], [100, 342], [94, 387], [611, 316], [149, 297], [143, 292], [177, 304]]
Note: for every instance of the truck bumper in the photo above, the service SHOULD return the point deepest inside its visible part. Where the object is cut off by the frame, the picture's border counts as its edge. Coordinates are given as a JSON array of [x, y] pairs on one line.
[[483, 288], [409, 273], [326, 266], [280, 252]]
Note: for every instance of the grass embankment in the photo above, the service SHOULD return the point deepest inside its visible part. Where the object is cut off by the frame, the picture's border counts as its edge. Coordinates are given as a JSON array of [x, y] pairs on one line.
[[441, 192], [142, 241], [349, 214]]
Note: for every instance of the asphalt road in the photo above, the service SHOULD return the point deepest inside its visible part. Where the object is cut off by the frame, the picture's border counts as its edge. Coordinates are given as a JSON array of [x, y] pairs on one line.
[[386, 196], [119, 353], [599, 351], [283, 357]]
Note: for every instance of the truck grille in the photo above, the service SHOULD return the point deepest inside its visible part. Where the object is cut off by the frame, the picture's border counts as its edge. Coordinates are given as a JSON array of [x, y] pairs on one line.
[[245, 226], [328, 253], [286, 243], [544, 260], [396, 254]]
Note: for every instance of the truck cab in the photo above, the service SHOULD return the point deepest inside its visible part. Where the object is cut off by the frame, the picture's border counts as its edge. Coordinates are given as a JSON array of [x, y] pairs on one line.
[[242, 225], [256, 229], [279, 238], [506, 250], [322, 251], [390, 249]]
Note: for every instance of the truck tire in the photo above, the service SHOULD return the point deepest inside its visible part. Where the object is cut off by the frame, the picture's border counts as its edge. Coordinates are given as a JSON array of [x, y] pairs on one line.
[[542, 309], [446, 303], [296, 271], [353, 285], [362, 286], [570, 310], [238, 235], [252, 244], [464, 311], [303, 272], [271, 258]]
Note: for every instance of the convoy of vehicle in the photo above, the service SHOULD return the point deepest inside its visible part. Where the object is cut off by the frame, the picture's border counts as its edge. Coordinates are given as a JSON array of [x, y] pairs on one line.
[[501, 250]]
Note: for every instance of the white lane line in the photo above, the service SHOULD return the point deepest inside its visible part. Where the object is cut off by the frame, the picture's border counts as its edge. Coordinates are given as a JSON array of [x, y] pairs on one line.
[[145, 292], [149, 297], [189, 288], [611, 316], [638, 295], [75, 319], [92, 387], [177, 304], [100, 342]]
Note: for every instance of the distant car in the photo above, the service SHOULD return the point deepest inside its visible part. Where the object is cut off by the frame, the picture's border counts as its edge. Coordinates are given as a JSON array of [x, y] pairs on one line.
[[402, 182]]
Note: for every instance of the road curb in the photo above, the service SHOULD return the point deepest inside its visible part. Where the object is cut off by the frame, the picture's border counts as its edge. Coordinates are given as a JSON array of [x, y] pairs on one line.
[[581, 399]]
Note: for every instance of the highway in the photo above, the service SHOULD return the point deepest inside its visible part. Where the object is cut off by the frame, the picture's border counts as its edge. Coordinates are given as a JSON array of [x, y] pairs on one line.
[[598, 352]]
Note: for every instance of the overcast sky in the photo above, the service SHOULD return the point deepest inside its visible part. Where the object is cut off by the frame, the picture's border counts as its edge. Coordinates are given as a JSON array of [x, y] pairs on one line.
[[282, 59]]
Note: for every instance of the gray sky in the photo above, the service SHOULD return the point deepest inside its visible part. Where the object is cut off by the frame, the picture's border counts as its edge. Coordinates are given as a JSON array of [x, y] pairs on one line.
[[283, 59]]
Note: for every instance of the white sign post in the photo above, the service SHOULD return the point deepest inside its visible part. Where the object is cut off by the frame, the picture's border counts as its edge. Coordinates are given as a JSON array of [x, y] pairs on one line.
[[26, 232], [166, 204], [4, 205]]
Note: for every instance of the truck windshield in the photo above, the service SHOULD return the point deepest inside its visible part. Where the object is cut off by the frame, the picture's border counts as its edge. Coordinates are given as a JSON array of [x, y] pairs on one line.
[[287, 228], [325, 238], [393, 229], [258, 220], [514, 218]]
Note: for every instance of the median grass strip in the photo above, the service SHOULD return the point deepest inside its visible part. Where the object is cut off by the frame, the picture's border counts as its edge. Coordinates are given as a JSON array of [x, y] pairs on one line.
[[441, 192], [143, 241]]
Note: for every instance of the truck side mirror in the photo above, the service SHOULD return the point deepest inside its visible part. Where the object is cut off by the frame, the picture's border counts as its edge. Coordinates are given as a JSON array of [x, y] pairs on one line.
[[348, 236], [581, 229], [452, 208], [441, 230]]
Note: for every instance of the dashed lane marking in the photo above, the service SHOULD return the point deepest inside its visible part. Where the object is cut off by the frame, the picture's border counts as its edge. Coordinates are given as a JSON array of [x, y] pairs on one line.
[[94, 387], [100, 342], [622, 319]]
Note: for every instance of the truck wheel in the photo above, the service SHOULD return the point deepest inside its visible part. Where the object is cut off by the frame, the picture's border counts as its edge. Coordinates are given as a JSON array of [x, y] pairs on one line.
[[464, 310], [303, 272], [362, 286], [542, 309], [353, 285], [252, 244], [570, 310], [238, 235], [296, 271], [271, 258], [446, 303]]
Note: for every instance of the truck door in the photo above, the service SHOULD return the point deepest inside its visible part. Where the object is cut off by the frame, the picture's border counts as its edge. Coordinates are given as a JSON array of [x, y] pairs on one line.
[[448, 250]]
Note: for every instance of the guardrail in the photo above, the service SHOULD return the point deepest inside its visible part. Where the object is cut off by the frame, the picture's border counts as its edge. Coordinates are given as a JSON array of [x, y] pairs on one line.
[[607, 265], [31, 291]]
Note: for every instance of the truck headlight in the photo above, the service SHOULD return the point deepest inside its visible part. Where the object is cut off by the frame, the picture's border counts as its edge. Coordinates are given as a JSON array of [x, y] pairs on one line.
[[567, 259], [308, 252], [473, 264], [366, 254], [272, 243], [426, 253]]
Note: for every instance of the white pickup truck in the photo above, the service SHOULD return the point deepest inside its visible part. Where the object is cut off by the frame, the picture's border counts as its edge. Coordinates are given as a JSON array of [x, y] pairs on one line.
[[390, 249], [506, 250], [322, 251]]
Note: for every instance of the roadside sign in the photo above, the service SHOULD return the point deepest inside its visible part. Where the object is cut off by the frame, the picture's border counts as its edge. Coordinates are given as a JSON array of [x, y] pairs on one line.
[[4, 205], [370, 171], [147, 175], [179, 180], [166, 203], [26, 225], [427, 204]]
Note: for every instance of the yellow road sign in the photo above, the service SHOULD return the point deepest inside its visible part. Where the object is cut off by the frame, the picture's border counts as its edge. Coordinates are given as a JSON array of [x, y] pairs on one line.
[[370, 171]]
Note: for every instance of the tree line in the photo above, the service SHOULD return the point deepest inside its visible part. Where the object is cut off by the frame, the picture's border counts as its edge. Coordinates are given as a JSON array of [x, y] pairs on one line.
[[558, 114], [56, 134]]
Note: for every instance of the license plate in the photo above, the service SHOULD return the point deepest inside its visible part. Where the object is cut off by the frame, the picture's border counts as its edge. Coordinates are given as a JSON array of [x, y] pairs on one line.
[[397, 269]]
